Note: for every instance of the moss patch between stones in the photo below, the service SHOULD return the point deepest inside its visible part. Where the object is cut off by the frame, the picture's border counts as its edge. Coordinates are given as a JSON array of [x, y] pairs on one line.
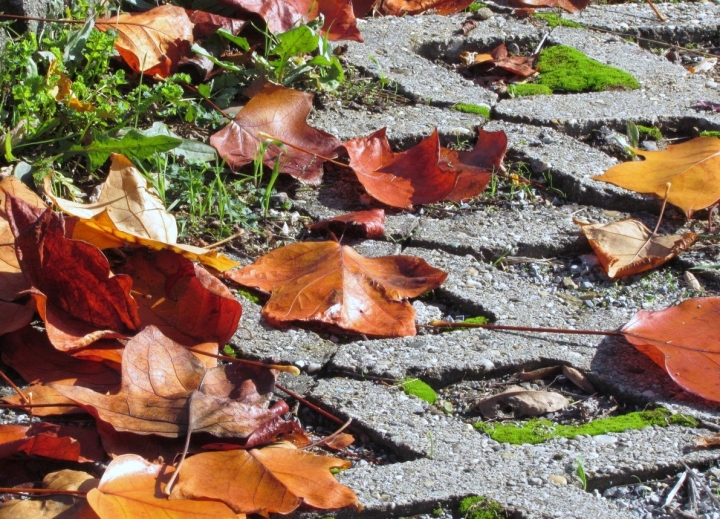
[[710, 133], [650, 131], [554, 19], [539, 430], [249, 296], [418, 388], [529, 89], [470, 108], [480, 507], [564, 69]]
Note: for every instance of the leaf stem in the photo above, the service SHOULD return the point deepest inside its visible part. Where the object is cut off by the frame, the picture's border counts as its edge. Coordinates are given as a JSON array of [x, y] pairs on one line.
[[280, 367], [10, 490], [327, 159], [12, 385], [311, 406], [437, 323]]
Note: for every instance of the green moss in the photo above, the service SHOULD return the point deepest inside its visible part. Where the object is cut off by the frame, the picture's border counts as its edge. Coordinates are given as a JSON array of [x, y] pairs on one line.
[[477, 320], [229, 351], [652, 132], [554, 19], [539, 430], [249, 296], [475, 7], [529, 89], [480, 507], [418, 388], [710, 133], [469, 108], [564, 69]]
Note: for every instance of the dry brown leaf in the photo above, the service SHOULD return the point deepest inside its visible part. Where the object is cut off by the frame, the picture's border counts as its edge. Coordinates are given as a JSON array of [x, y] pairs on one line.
[[72, 286], [708, 442], [578, 378], [368, 224], [692, 169], [571, 6], [133, 487], [276, 479], [167, 391], [627, 247], [413, 7], [154, 41], [281, 113], [12, 282], [518, 402], [331, 284], [59, 507], [187, 303], [129, 200], [60, 442]]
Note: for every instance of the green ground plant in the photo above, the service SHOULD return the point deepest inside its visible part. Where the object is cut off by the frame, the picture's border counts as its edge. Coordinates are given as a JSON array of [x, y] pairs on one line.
[[555, 20], [540, 430], [469, 108], [418, 388], [480, 507]]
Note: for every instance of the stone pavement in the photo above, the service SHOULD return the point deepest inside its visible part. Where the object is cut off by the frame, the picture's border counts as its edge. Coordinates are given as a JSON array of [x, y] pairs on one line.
[[443, 458]]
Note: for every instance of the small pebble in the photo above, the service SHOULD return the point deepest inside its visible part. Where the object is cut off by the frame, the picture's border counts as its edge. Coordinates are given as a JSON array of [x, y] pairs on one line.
[[313, 367], [558, 480]]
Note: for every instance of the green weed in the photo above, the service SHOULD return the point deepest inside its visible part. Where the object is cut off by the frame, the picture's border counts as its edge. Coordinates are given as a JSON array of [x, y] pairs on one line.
[[580, 471], [554, 20], [480, 507], [418, 388]]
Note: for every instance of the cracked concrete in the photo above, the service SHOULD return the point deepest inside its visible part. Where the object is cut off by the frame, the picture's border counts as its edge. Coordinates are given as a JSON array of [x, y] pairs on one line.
[[443, 458]]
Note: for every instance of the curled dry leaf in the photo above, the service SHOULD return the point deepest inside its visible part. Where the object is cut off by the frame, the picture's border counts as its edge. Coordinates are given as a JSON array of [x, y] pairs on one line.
[[74, 291], [331, 284], [187, 303], [276, 479], [500, 57], [368, 224], [627, 247], [163, 393], [692, 169], [683, 341], [708, 442], [133, 487], [578, 378], [60, 442], [129, 200], [518, 402], [281, 113], [61, 507], [154, 41], [425, 173]]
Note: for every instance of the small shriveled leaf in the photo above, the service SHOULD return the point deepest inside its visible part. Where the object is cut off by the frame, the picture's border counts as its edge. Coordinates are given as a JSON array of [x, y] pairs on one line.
[[368, 224], [163, 393], [331, 284], [518, 402], [74, 291], [281, 113], [683, 341], [154, 41], [276, 479], [571, 6], [627, 247], [133, 487], [692, 169]]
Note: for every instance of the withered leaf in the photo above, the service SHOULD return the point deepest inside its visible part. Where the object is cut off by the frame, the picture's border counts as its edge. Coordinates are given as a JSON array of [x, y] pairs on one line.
[[154, 41], [280, 15], [133, 487], [413, 7], [281, 113], [683, 341], [331, 284], [276, 479], [187, 303], [368, 224], [73, 289], [163, 393], [627, 247], [518, 402], [61, 442], [571, 6]]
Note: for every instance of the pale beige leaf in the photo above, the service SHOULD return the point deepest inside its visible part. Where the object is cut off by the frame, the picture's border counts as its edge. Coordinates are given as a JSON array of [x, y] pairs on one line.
[[518, 402], [627, 247]]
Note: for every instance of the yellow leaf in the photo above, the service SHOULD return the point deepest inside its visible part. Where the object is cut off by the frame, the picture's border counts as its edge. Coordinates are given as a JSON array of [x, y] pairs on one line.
[[692, 168]]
